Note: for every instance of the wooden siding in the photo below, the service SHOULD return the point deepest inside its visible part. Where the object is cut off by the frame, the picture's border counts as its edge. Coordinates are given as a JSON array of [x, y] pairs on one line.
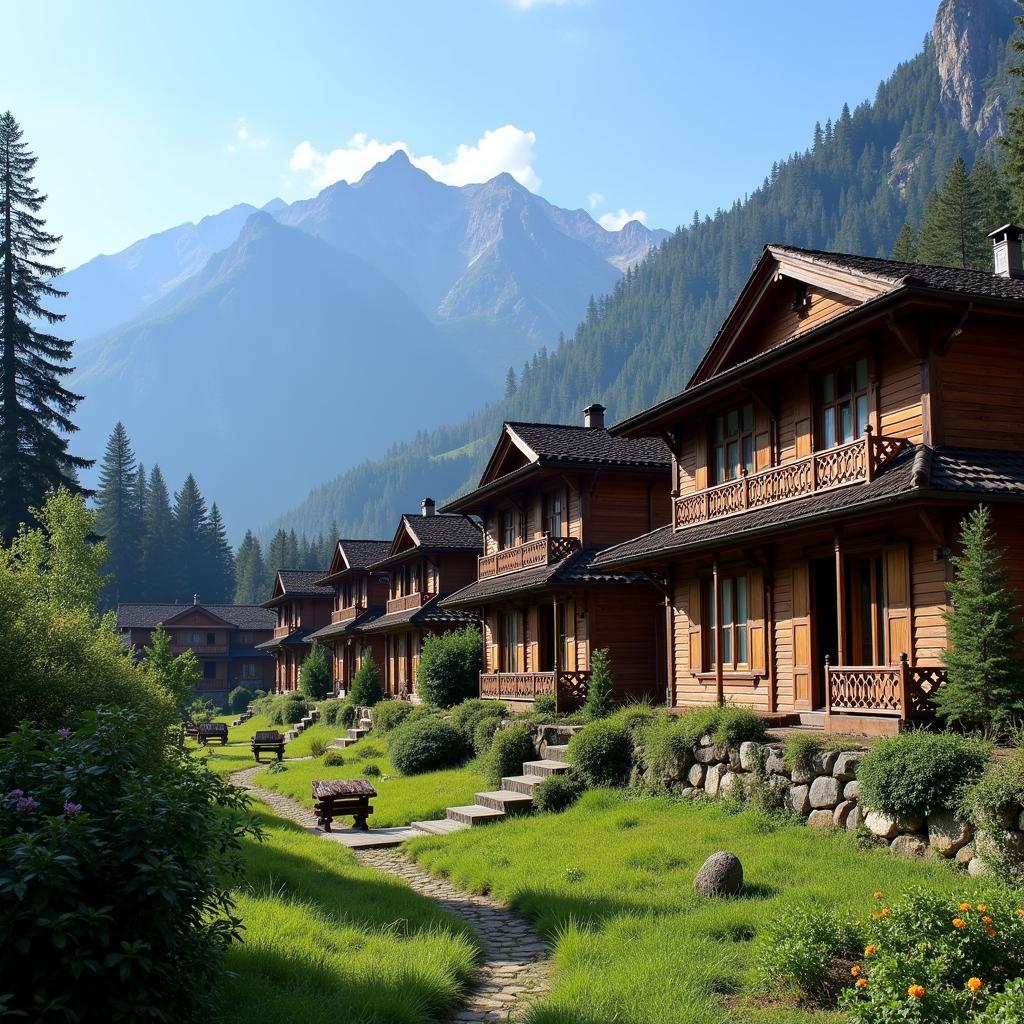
[[929, 575], [899, 395], [625, 505]]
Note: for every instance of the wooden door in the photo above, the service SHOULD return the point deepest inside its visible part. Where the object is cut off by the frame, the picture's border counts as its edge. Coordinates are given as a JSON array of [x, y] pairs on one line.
[[896, 561], [803, 669]]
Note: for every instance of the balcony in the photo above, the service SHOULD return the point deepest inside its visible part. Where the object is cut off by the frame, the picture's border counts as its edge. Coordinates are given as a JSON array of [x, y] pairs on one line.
[[410, 601], [347, 614], [852, 463], [543, 551], [904, 691], [281, 631], [568, 688]]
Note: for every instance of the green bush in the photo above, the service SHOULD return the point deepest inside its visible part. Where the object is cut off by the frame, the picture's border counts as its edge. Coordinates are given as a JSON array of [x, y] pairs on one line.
[[799, 751], [635, 718], [315, 677], [201, 711], [334, 759], [993, 803], [366, 689], [365, 751], [602, 754], [920, 772], [599, 703], [728, 726], [449, 667], [546, 706], [258, 694], [465, 716], [557, 792], [371, 771], [239, 699], [115, 891], [509, 749], [667, 751], [317, 746], [346, 714], [427, 745], [483, 734], [389, 714], [799, 950], [287, 710], [329, 710]]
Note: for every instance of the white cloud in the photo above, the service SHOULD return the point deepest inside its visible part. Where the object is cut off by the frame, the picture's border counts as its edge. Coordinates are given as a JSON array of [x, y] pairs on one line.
[[244, 138], [528, 5], [617, 221], [594, 200], [508, 149]]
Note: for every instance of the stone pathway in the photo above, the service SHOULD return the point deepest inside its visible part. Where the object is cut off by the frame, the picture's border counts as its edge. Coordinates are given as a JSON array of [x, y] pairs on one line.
[[515, 967]]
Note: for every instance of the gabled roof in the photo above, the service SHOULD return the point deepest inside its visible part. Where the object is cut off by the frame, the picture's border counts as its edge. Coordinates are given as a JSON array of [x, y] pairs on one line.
[[298, 583], [149, 616], [438, 532], [335, 629], [354, 555], [433, 613]]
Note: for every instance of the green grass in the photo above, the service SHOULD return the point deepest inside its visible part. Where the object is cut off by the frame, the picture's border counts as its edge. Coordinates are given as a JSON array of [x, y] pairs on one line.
[[329, 942], [400, 798], [611, 882], [238, 754]]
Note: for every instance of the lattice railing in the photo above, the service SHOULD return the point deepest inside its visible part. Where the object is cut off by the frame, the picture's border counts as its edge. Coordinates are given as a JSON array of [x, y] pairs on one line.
[[543, 551], [922, 682], [901, 691], [570, 687], [835, 467], [403, 604]]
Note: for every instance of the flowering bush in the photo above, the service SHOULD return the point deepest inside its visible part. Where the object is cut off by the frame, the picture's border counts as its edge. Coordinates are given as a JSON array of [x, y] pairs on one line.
[[114, 885]]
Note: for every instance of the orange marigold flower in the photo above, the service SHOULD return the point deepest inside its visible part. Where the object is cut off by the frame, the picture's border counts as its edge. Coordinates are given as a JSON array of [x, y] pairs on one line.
[[878, 895], [991, 932], [974, 984], [916, 991], [959, 922], [875, 917], [886, 911], [855, 970], [986, 919], [1020, 913], [868, 950], [862, 983], [982, 907], [966, 906]]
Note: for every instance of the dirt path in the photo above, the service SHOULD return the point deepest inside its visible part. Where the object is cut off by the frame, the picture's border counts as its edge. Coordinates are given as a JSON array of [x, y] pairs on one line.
[[515, 967]]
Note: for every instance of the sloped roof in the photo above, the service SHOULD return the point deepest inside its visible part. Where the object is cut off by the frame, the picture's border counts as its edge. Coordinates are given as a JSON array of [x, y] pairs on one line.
[[353, 556], [149, 616], [296, 638], [298, 583], [565, 445], [433, 613], [334, 629], [437, 532]]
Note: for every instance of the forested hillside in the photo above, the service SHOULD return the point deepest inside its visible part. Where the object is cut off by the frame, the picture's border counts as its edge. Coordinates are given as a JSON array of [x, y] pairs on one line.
[[862, 176]]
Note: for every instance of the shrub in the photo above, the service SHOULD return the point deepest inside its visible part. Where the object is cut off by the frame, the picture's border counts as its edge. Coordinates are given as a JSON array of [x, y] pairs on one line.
[[483, 734], [317, 746], [371, 771], [315, 677], [201, 711], [115, 894], [329, 710], [728, 726], [334, 759], [667, 750], [427, 745], [602, 754], [239, 699], [366, 690], [557, 792], [799, 752], [599, 702], [465, 716], [919, 772], [546, 706], [509, 749], [449, 668], [799, 949], [364, 751], [389, 714], [346, 714], [258, 694], [287, 710], [992, 802], [636, 718]]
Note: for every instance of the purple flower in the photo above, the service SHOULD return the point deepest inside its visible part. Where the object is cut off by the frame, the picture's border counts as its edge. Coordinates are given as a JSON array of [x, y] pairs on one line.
[[70, 809], [64, 734], [25, 803], [16, 793]]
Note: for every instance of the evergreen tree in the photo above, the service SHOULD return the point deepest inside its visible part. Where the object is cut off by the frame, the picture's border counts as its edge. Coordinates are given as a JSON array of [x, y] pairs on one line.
[[221, 573], [1013, 143], [953, 232], [511, 385], [599, 692], [176, 674], [35, 408], [292, 557], [315, 679], [366, 688], [250, 581], [118, 517], [277, 555], [191, 548], [906, 244], [994, 197], [985, 676], [159, 563]]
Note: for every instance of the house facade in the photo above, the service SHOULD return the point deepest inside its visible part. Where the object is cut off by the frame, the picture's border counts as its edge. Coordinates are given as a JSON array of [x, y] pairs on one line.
[[551, 498], [849, 413], [360, 598], [225, 639], [301, 606], [430, 557]]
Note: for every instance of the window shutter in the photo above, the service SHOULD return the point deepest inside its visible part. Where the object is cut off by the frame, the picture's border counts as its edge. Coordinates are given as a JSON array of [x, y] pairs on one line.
[[701, 473], [756, 628], [801, 621], [897, 603], [693, 614]]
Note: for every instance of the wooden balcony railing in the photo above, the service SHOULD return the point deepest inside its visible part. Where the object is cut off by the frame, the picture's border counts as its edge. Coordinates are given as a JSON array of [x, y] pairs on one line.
[[280, 631], [403, 604], [851, 463], [902, 691], [347, 614], [569, 688], [543, 551]]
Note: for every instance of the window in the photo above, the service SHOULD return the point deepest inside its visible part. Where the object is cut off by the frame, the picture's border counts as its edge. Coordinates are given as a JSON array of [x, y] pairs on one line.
[[510, 642], [250, 670], [209, 670], [732, 449], [554, 519], [211, 638], [733, 630], [865, 605], [507, 529], [844, 404], [192, 638], [244, 637]]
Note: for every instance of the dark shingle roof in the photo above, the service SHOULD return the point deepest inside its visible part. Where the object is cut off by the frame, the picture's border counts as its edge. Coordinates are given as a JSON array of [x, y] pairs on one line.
[[296, 638], [361, 554], [915, 472], [334, 629], [149, 616], [433, 613], [303, 582], [563, 444], [450, 532]]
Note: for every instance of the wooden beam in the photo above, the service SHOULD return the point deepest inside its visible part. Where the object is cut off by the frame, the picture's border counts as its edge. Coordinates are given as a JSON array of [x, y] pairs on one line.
[[934, 530], [913, 350], [717, 598], [658, 584], [956, 332], [840, 600]]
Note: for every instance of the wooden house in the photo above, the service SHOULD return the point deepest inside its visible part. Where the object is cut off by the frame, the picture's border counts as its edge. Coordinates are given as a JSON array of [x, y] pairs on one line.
[[550, 499], [360, 597], [430, 556], [303, 606], [849, 413], [224, 637]]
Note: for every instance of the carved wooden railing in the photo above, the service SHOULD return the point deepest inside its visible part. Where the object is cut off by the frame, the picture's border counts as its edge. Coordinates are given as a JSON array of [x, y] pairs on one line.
[[403, 604], [901, 691], [543, 551], [347, 614], [851, 463], [570, 688]]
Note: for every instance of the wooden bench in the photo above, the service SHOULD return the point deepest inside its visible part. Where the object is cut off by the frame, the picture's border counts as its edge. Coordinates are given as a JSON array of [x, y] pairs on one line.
[[191, 729], [213, 731], [269, 740], [335, 797]]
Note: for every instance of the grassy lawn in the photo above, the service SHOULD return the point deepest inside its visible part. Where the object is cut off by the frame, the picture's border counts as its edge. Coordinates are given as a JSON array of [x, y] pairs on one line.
[[400, 799], [611, 882], [329, 941], [237, 754]]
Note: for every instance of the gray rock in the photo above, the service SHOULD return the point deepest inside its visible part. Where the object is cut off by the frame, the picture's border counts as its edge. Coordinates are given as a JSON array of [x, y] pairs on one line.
[[721, 875], [706, 755], [734, 759], [947, 834], [881, 825], [797, 799], [825, 792], [774, 766], [820, 819], [731, 785], [976, 867], [909, 846], [851, 791], [713, 779], [707, 740], [824, 761], [965, 855], [778, 781], [854, 819], [842, 812], [695, 776], [750, 755], [846, 765], [689, 791], [801, 777]]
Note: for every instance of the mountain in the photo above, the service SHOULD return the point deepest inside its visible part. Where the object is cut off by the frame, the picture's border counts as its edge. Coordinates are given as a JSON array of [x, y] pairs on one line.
[[863, 175]]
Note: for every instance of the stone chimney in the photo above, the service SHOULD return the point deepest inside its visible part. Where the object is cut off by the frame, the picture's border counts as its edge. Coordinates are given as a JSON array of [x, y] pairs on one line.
[[427, 507], [593, 416], [1006, 251], [195, 599]]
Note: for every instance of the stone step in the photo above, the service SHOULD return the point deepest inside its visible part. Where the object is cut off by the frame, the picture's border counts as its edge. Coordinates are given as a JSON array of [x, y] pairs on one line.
[[521, 783], [365, 723], [474, 814], [508, 800], [441, 827], [357, 734], [556, 752], [544, 768]]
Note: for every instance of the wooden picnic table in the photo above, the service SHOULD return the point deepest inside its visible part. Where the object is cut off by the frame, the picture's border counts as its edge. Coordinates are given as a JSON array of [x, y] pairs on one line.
[[269, 740], [213, 731], [335, 797]]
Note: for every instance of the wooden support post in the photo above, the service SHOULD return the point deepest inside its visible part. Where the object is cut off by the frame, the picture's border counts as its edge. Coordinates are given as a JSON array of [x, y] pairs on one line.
[[769, 628], [828, 693], [869, 454], [840, 600], [904, 686], [555, 659], [717, 597]]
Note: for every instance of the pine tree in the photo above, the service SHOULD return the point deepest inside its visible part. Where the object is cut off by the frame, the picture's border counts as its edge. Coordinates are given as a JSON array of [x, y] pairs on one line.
[[1013, 143], [35, 408], [599, 691], [159, 564], [994, 197], [277, 555], [511, 386], [178, 675], [985, 676], [221, 574], [191, 532], [250, 582], [315, 680], [906, 244], [118, 518], [953, 232]]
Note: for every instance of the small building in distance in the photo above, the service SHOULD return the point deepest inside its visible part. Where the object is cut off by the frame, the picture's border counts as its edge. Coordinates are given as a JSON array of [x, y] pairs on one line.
[[224, 637]]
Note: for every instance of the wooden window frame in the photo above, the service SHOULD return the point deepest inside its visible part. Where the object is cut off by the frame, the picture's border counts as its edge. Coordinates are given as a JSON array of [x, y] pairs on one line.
[[720, 439], [732, 632], [508, 653], [546, 501], [833, 405], [508, 529]]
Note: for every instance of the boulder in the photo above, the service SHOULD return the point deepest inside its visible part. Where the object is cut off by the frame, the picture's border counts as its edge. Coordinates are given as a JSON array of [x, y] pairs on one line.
[[909, 846], [734, 759], [797, 799], [731, 785], [846, 765], [750, 755], [947, 834], [689, 791], [825, 791], [721, 875], [706, 755], [707, 740], [824, 761], [713, 779], [842, 812], [976, 867], [778, 781], [965, 855], [801, 777], [774, 766], [855, 818], [881, 825], [851, 791], [695, 776], [820, 819]]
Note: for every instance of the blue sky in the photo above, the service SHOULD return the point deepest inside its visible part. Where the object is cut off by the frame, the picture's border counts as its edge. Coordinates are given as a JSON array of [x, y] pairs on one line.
[[145, 115]]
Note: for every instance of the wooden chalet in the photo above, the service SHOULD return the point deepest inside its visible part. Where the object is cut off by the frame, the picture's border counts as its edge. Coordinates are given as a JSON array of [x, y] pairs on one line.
[[224, 637], [430, 556], [846, 417], [360, 597], [550, 499], [303, 606]]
